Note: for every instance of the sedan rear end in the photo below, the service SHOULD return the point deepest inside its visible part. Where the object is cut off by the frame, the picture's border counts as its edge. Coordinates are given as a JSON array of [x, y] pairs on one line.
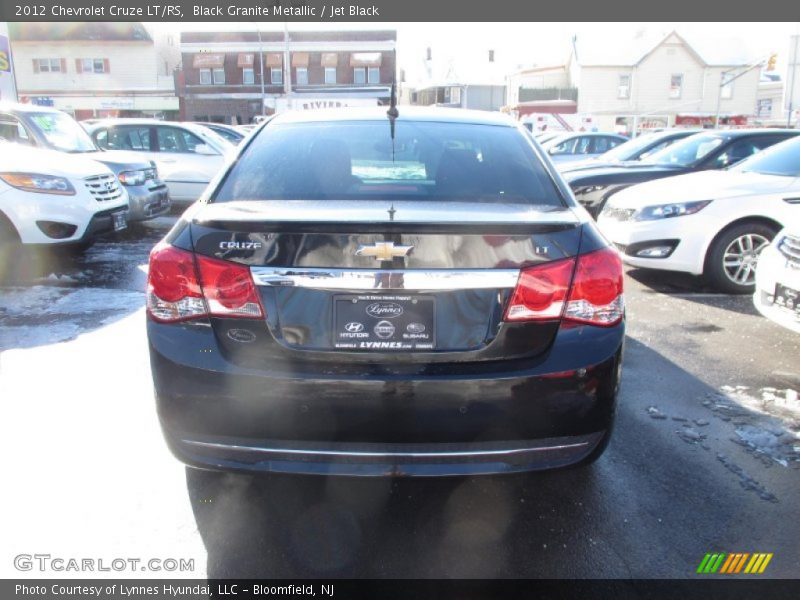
[[361, 295]]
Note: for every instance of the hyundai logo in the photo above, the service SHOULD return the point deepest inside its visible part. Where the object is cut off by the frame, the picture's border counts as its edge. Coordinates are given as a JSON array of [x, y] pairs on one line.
[[354, 327], [384, 329], [385, 310]]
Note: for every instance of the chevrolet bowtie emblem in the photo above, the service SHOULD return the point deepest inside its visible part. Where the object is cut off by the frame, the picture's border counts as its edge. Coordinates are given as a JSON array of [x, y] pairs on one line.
[[383, 250]]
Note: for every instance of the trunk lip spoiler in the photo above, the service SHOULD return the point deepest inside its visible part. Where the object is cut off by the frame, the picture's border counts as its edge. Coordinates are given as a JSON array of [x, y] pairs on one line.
[[385, 279], [385, 212]]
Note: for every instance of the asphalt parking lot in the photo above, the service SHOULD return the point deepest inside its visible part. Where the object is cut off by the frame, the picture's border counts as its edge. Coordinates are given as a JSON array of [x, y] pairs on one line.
[[706, 455]]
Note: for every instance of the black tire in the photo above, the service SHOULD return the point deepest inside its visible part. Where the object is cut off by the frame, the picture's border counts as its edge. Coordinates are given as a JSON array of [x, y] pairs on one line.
[[715, 270]]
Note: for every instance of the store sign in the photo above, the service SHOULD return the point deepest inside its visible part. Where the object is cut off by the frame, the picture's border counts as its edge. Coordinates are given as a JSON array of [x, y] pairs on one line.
[[42, 101], [321, 103], [8, 90], [117, 103]]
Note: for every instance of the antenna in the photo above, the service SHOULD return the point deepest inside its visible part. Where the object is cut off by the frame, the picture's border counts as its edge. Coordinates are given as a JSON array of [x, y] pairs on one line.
[[393, 113]]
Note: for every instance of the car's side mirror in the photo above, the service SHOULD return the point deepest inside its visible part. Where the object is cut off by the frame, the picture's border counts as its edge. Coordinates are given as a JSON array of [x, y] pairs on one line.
[[205, 150]]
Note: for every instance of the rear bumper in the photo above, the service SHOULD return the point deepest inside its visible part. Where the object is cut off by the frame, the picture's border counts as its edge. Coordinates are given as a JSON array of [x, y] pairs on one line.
[[427, 460], [303, 417], [148, 203]]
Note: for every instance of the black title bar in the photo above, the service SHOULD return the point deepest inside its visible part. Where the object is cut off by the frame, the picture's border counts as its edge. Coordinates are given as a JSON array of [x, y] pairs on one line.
[[711, 588], [377, 11]]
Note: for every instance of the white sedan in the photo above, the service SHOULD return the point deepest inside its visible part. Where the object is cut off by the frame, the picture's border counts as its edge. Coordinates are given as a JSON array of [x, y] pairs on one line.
[[51, 198], [777, 294], [187, 155], [711, 223]]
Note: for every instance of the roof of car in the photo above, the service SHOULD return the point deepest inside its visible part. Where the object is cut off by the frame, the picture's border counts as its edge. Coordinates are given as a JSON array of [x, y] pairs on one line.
[[734, 133], [569, 134], [20, 107], [140, 121], [411, 113]]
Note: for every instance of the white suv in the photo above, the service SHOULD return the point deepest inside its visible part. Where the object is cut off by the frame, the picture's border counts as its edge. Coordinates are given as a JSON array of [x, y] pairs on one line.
[[49, 198]]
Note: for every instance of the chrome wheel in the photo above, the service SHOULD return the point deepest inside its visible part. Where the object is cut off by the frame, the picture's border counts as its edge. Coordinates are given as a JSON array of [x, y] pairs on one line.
[[741, 257]]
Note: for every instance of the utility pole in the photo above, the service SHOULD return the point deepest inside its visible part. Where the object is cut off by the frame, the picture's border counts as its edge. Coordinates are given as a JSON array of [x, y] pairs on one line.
[[261, 68], [793, 66], [287, 79]]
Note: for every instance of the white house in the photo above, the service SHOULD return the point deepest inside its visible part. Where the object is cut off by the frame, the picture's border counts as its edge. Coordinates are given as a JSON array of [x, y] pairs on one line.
[[94, 69], [640, 84]]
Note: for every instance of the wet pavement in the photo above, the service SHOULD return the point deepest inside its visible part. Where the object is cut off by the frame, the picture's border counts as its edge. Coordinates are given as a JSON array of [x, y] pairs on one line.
[[705, 457]]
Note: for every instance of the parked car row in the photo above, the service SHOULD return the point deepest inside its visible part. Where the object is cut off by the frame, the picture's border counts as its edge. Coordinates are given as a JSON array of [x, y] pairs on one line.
[[707, 204], [46, 128], [105, 173]]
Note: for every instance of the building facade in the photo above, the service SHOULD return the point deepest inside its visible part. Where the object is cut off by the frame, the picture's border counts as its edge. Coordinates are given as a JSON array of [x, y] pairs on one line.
[[770, 110], [94, 69], [473, 79], [460, 95], [668, 84], [232, 77]]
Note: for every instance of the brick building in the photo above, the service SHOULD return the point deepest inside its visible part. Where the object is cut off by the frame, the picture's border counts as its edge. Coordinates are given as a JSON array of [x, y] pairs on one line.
[[221, 78]]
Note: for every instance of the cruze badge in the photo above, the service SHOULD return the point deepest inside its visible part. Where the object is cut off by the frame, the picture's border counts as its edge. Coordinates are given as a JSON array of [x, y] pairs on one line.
[[383, 250], [240, 245]]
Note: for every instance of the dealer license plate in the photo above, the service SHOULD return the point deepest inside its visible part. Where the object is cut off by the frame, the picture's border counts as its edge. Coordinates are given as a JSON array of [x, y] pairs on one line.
[[384, 323]]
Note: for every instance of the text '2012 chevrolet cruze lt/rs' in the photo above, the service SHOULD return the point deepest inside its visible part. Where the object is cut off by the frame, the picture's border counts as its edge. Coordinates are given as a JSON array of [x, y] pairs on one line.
[[363, 294]]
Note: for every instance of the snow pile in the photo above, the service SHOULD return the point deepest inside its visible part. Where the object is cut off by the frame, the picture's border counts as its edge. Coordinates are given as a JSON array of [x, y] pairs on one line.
[[766, 421], [767, 400]]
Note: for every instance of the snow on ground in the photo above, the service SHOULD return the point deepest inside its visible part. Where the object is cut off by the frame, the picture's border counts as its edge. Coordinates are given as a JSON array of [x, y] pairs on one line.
[[79, 434], [32, 316], [766, 421]]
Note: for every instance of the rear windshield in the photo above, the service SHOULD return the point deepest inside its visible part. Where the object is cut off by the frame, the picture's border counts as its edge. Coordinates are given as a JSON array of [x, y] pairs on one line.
[[354, 160]]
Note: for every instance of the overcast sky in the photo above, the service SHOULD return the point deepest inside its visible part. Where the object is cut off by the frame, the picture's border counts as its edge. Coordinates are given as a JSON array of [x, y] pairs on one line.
[[458, 45]]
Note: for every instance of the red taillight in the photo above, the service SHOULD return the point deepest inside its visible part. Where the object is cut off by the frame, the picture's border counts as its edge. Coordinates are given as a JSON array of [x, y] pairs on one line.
[[180, 289], [594, 297], [173, 290], [228, 288], [541, 292]]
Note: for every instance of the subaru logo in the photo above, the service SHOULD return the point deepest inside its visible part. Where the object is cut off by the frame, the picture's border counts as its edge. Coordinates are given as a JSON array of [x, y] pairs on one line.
[[354, 327], [384, 329], [415, 327], [386, 310]]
